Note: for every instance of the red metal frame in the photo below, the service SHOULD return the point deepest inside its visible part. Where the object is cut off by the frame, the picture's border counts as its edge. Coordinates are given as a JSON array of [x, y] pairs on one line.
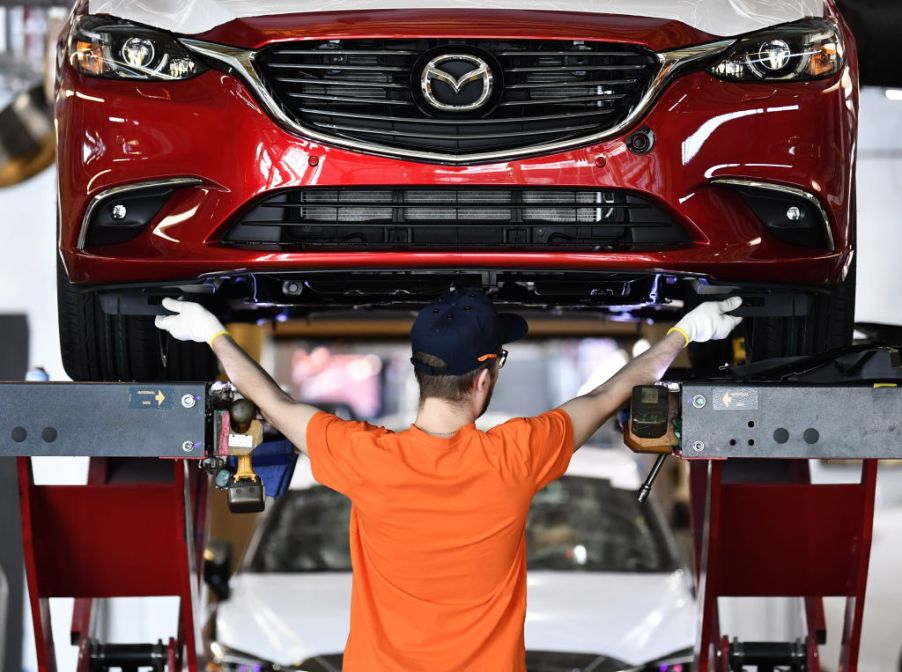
[[113, 133], [786, 539], [114, 539]]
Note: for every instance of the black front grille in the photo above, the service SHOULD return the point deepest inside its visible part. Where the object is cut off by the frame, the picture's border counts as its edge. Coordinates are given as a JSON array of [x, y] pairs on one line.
[[552, 90], [456, 219]]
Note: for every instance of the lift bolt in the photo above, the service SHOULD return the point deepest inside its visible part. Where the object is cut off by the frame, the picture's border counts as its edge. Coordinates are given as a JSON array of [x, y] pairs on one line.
[[188, 446], [698, 446], [699, 401], [188, 401]]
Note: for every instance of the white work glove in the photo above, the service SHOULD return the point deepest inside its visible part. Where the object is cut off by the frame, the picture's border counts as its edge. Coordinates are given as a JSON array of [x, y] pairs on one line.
[[709, 321], [191, 322]]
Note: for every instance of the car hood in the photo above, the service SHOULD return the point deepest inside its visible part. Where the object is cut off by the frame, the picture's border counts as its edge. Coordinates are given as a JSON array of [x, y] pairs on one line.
[[632, 617], [635, 618], [716, 17], [286, 618]]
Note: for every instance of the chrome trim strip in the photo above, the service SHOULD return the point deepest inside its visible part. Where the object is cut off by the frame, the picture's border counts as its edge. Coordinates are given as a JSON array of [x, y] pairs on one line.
[[124, 189], [782, 188], [242, 62]]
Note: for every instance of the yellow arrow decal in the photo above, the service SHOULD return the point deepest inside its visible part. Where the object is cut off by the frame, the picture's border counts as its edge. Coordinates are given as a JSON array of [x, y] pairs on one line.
[[727, 399], [160, 397]]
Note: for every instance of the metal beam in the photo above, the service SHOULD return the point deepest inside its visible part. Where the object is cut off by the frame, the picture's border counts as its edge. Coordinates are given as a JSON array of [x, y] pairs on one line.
[[104, 419], [795, 422]]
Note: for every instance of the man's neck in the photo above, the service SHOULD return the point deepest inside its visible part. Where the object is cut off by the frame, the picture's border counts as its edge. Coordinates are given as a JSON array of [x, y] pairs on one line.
[[440, 417]]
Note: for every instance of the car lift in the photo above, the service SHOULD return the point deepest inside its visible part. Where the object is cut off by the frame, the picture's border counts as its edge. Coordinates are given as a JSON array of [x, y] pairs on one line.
[[137, 529], [761, 527]]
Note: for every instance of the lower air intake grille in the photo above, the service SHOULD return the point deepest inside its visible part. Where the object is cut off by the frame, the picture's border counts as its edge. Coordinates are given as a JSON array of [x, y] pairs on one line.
[[456, 219]]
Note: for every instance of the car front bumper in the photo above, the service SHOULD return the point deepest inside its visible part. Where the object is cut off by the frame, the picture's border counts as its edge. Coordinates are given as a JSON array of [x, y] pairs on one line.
[[214, 134]]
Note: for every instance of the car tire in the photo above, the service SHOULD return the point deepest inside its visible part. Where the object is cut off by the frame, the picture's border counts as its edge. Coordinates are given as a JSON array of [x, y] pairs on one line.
[[100, 347], [829, 324]]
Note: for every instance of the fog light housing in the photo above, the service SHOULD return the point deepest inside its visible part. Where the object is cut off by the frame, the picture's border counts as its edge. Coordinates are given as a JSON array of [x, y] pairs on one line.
[[120, 214], [790, 215], [122, 218]]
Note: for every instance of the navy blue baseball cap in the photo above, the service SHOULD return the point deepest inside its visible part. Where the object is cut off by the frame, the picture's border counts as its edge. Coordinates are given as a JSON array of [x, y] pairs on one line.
[[463, 329]]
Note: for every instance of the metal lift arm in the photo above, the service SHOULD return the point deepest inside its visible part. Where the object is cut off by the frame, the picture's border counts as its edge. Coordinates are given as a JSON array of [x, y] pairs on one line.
[[75, 419]]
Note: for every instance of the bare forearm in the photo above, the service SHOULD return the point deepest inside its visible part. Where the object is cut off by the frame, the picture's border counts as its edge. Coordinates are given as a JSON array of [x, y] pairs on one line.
[[287, 415], [592, 410], [192, 322], [249, 377], [646, 369]]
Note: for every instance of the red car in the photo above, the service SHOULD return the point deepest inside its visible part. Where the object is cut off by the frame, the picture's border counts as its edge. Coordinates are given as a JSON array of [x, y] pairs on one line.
[[281, 159]]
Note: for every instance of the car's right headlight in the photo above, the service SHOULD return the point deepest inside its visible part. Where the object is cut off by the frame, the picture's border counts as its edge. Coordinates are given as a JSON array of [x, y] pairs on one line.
[[114, 49], [801, 51]]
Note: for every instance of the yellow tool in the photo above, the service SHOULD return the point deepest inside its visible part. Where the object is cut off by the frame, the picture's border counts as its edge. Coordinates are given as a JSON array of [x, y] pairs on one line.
[[245, 489]]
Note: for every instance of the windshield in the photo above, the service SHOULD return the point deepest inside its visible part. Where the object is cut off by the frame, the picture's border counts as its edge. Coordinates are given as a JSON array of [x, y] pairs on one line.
[[585, 524], [575, 524]]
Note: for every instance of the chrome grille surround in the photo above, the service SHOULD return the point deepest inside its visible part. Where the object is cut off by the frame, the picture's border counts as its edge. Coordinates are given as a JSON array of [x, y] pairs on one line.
[[366, 90], [242, 62]]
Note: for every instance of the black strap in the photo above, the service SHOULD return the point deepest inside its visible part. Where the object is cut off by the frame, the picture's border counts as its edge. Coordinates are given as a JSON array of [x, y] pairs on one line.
[[426, 368]]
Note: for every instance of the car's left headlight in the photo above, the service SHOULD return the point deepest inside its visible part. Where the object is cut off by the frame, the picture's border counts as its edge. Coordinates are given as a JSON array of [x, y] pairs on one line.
[[114, 49], [801, 51]]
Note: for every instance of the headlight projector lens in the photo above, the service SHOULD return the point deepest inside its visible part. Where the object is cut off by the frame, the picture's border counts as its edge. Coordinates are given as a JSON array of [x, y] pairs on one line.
[[138, 52], [773, 56]]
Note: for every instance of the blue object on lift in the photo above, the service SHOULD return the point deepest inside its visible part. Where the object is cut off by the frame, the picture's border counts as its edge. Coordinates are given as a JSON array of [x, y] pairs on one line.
[[274, 463]]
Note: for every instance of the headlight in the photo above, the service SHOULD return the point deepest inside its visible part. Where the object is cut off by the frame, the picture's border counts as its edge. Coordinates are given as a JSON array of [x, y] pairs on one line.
[[809, 49], [114, 49]]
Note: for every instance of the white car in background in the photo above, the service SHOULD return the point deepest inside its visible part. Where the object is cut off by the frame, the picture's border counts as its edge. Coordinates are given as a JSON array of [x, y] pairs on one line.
[[606, 590]]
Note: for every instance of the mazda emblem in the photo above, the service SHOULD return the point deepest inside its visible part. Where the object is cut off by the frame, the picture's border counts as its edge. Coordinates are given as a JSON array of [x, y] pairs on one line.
[[480, 75]]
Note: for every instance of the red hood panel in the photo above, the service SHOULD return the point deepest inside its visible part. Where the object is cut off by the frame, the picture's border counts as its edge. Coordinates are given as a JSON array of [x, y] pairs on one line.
[[656, 34]]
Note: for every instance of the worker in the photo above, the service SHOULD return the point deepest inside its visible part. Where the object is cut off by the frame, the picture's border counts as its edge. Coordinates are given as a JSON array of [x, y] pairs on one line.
[[439, 510]]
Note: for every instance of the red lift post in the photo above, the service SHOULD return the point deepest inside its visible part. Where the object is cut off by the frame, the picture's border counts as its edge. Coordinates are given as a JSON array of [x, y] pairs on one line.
[[784, 537], [135, 530]]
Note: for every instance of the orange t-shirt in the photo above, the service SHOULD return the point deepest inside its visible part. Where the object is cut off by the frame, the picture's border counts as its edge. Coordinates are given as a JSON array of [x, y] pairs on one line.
[[437, 537]]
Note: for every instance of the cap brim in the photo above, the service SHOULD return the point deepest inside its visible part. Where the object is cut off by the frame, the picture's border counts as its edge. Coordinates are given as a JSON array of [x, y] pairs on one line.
[[513, 327]]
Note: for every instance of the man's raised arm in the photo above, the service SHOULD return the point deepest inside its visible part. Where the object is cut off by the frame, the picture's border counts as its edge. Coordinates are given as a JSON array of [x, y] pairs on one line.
[[193, 322], [709, 321]]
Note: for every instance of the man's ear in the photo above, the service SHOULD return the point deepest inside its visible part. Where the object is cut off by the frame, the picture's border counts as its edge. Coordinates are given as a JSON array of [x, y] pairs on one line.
[[483, 380]]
